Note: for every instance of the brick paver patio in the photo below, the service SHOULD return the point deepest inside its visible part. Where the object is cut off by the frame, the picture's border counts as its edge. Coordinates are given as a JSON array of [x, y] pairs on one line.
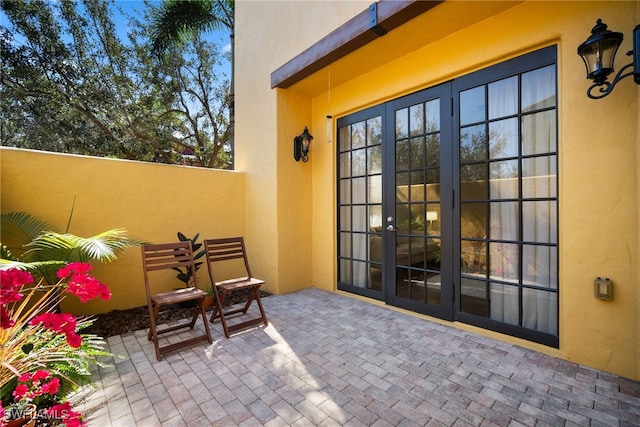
[[329, 360]]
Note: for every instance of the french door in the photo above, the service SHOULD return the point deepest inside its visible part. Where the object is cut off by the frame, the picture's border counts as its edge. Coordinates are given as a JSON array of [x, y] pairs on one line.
[[393, 229], [447, 200]]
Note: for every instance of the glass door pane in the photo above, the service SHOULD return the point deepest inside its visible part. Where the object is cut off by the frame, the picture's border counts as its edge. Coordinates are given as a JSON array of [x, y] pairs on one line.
[[419, 226], [507, 206], [360, 249]]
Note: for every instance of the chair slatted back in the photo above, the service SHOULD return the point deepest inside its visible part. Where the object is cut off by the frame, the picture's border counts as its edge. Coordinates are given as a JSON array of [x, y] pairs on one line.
[[219, 250], [167, 256]]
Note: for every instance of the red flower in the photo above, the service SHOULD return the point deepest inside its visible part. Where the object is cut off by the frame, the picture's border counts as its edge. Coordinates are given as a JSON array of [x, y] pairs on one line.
[[15, 278], [63, 323], [51, 387], [30, 385], [81, 284], [74, 268], [6, 321], [40, 375], [86, 288], [12, 281], [20, 391], [64, 412]]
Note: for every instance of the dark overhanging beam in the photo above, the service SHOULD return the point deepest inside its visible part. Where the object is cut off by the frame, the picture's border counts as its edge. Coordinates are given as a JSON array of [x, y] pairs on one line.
[[378, 19]]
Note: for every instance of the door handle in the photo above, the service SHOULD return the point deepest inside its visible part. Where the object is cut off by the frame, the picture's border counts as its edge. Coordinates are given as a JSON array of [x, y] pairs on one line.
[[390, 227]]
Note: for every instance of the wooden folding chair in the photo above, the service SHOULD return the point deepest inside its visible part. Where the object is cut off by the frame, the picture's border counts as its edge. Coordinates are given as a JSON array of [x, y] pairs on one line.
[[225, 250], [160, 259]]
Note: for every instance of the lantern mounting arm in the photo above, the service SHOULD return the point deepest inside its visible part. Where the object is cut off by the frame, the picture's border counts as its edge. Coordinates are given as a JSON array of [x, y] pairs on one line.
[[605, 88]]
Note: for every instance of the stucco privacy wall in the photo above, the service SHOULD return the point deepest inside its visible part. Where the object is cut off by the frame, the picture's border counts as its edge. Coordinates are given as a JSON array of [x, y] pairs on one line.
[[152, 201], [598, 140], [279, 190]]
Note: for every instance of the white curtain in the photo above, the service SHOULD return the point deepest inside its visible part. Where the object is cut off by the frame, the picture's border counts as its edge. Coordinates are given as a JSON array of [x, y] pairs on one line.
[[539, 261]]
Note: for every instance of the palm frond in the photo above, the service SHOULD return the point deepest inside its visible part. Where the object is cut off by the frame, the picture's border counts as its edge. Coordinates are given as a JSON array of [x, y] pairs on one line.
[[69, 247], [175, 21], [19, 228]]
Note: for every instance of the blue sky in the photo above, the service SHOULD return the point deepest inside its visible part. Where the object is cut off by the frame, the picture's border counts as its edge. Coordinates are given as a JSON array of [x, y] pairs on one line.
[[136, 8]]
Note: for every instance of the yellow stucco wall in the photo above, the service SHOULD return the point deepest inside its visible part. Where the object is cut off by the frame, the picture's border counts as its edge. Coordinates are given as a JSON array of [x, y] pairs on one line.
[[598, 143], [152, 201], [281, 216]]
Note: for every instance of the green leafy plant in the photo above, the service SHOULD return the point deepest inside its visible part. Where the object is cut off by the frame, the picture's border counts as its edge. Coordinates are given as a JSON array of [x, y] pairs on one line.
[[42, 250], [184, 274], [44, 354]]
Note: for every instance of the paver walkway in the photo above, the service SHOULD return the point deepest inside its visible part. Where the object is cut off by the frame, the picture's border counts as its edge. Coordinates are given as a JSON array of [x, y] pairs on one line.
[[329, 360]]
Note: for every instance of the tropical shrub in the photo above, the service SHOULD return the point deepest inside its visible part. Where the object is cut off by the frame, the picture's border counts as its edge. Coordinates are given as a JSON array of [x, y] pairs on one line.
[[44, 355]]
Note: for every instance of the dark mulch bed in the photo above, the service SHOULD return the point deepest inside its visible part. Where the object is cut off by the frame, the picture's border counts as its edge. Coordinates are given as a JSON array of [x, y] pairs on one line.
[[119, 322]]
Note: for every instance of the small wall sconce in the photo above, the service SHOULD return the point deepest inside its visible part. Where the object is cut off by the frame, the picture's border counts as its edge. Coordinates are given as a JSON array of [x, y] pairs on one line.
[[599, 53], [301, 145]]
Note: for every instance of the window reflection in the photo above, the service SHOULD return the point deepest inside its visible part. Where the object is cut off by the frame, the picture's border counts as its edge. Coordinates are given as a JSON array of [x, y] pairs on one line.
[[416, 120], [358, 135], [374, 131], [472, 106], [432, 112], [503, 138], [402, 123], [473, 144]]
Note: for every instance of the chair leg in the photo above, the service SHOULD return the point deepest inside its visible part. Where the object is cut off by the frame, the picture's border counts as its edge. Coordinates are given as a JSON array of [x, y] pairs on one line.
[[204, 320], [259, 301], [217, 306], [152, 317], [254, 295], [249, 301], [196, 313], [152, 335], [219, 312]]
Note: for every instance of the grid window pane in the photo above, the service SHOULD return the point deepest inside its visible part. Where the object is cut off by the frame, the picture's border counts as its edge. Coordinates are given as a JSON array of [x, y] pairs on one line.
[[503, 179], [374, 159], [503, 139], [539, 133], [473, 144], [540, 266], [358, 135], [472, 106], [402, 123], [539, 89], [374, 131], [432, 113], [539, 310], [503, 98], [539, 177], [416, 120], [539, 221]]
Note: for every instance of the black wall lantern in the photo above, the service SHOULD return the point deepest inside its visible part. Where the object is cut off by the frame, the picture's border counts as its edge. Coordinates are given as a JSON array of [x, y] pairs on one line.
[[301, 145], [599, 53]]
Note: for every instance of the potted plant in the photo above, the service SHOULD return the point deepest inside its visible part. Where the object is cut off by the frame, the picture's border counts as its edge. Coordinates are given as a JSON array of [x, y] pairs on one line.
[[208, 300]]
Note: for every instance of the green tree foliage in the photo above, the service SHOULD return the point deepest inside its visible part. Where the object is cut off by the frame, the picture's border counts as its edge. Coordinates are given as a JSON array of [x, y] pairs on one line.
[[69, 84], [177, 22]]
